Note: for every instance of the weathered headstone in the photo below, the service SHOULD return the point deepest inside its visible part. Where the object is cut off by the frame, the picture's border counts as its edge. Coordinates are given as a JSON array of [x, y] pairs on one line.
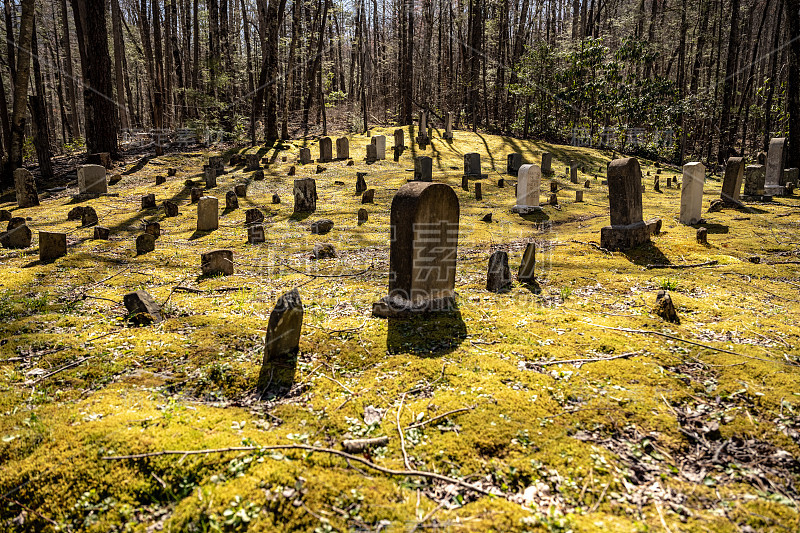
[[665, 308], [368, 197], [255, 234], [573, 172], [217, 262], [153, 228], [513, 162], [380, 146], [253, 216], [754, 179], [207, 213], [342, 148], [528, 264], [231, 201], [498, 277], [790, 176], [210, 177], [321, 227], [92, 179], [258, 175], [321, 169], [399, 139], [547, 161], [252, 162], [553, 186], [372, 153], [148, 201], [501, 183], [5, 215], [142, 309], [553, 199], [172, 171], [732, 182], [422, 258], [17, 235], [776, 162], [423, 168], [363, 216], [52, 245], [702, 235], [102, 159], [240, 190], [216, 162], [282, 344], [323, 250], [305, 195], [448, 125], [196, 194], [694, 174], [170, 208], [478, 191], [25, 186], [325, 150], [89, 217], [465, 183], [422, 135], [578, 196], [305, 156], [161, 180], [361, 183], [145, 243], [101, 233], [292, 170], [627, 229], [276, 199], [657, 183], [472, 165]]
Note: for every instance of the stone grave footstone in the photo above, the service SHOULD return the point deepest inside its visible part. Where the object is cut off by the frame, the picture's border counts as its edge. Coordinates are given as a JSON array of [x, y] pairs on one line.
[[423, 168], [255, 234], [17, 235], [368, 197], [145, 243]]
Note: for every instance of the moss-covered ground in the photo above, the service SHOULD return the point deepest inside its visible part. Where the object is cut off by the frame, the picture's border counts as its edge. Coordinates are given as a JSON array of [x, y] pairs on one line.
[[695, 430]]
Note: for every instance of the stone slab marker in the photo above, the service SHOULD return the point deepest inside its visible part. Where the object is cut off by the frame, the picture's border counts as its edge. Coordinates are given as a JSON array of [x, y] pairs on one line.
[[325, 150], [732, 182], [92, 179], [422, 257], [776, 162], [142, 309], [422, 134], [305, 156], [342, 148], [423, 168], [89, 217], [255, 234], [25, 186], [252, 162], [52, 245], [210, 177], [145, 243], [547, 161], [217, 262], [754, 179], [207, 213], [231, 201], [281, 344], [513, 162], [694, 174], [528, 264], [399, 139], [305, 195], [372, 153], [101, 233], [627, 229], [791, 176], [380, 146], [472, 165], [529, 178], [579, 196], [361, 183], [573, 172], [17, 235], [448, 125], [498, 276]]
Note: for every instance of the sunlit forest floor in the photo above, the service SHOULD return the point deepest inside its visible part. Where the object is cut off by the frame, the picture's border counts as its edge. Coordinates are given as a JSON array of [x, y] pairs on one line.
[[694, 428]]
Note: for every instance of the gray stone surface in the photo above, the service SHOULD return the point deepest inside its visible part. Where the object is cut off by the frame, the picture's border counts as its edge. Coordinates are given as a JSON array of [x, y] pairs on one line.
[[207, 213], [513, 162], [52, 245], [325, 150], [342, 148], [498, 277], [92, 179], [142, 309], [217, 262], [754, 180], [732, 182], [305, 195], [25, 187], [145, 243], [776, 162], [423, 168], [17, 235], [281, 344], [528, 264], [627, 229]]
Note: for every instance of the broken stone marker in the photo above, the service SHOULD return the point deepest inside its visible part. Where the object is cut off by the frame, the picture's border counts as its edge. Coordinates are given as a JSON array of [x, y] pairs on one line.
[[472, 165], [145, 243], [465, 183], [547, 160], [732, 182], [486, 218], [342, 148], [553, 186], [252, 162], [627, 229], [368, 197], [282, 344], [363, 216], [161, 180], [423, 168], [399, 139], [321, 227], [305, 156], [323, 251], [148, 201], [528, 264], [478, 191], [17, 235], [694, 174], [92, 179], [665, 308], [361, 183], [587, 184], [321, 169], [142, 309], [240, 190], [325, 150], [101, 233], [196, 193], [498, 277], [217, 262], [207, 213], [776, 162], [513, 162], [702, 235], [231, 201], [25, 186], [305, 195], [52, 245], [422, 258], [529, 178], [553, 199], [88, 217], [291, 171], [255, 234]]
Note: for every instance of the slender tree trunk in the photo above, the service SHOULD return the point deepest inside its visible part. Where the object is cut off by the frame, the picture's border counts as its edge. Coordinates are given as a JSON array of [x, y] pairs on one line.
[[119, 51], [725, 134], [38, 107], [793, 96]]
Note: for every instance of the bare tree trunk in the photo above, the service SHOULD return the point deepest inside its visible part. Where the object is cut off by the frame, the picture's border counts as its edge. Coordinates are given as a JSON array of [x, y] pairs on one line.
[[38, 107], [119, 51], [793, 96]]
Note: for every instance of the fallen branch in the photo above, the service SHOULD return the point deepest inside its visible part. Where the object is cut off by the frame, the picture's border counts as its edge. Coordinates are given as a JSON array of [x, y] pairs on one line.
[[593, 245], [694, 265], [400, 431], [784, 263], [62, 368], [582, 361], [435, 418], [309, 274], [361, 445], [345, 455]]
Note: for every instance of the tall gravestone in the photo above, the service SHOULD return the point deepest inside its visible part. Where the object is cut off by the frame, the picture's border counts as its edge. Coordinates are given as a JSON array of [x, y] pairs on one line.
[[422, 135], [573, 172], [207, 213], [776, 162], [325, 150], [92, 179], [423, 168], [422, 256], [448, 126], [547, 161], [513, 162], [305, 195], [342, 148], [528, 264], [627, 229], [732, 182], [754, 180], [380, 146], [281, 344], [25, 187], [694, 174], [472, 165], [399, 139], [372, 153], [210, 176], [529, 179]]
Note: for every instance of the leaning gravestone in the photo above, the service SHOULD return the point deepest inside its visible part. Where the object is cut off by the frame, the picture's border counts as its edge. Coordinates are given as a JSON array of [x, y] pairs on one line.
[[101, 233], [170, 208], [529, 179], [207, 213], [305, 195], [399, 139], [17, 235], [368, 197], [25, 186], [282, 344], [627, 229], [217, 262], [694, 174], [380, 146], [498, 277], [776, 162], [423, 168], [145, 243], [253, 216], [342, 148], [547, 161], [142, 309], [732, 182], [754, 180], [513, 162], [325, 150], [361, 183], [305, 156], [528, 264], [92, 179], [52, 245], [422, 257], [472, 165]]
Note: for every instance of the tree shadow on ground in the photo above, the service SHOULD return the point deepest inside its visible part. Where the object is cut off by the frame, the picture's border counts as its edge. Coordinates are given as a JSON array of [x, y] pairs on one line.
[[714, 229], [427, 335], [646, 254]]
